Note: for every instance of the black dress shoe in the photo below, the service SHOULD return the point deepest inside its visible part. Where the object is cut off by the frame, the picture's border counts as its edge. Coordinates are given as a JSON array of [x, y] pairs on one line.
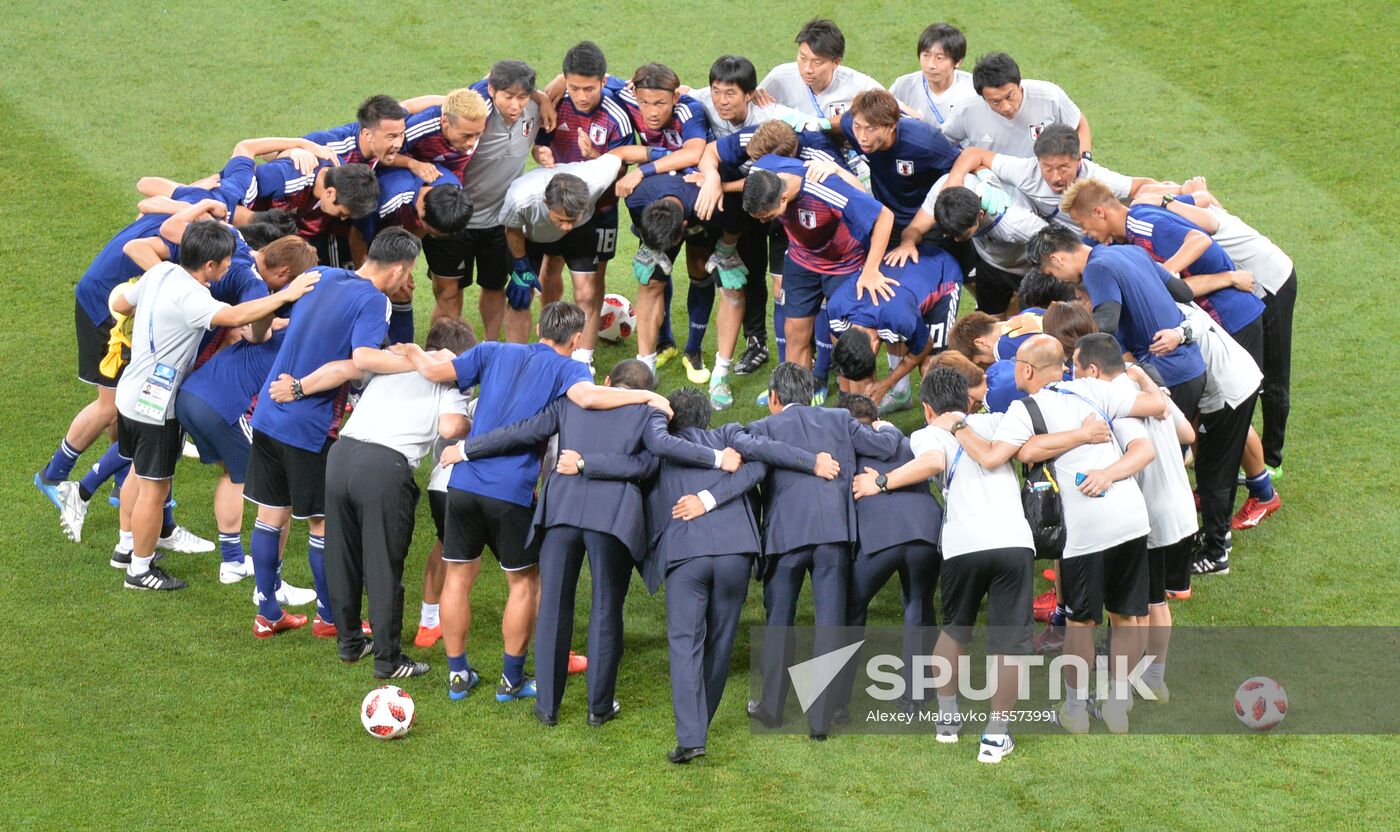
[[818, 737], [756, 712], [681, 756], [599, 720], [546, 721]]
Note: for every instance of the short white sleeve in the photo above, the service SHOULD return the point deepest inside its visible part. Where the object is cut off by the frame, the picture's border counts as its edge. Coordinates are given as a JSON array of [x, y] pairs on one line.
[[1017, 171], [1015, 428], [199, 307], [452, 401], [1067, 110]]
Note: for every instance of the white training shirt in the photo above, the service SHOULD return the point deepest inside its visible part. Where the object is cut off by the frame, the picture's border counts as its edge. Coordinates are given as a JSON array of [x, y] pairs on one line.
[[173, 310], [499, 159], [524, 209], [1171, 510], [1023, 174], [977, 124], [982, 509], [1231, 374], [401, 411], [1252, 252], [1001, 242], [934, 108], [720, 127], [1092, 524], [785, 84], [437, 479]]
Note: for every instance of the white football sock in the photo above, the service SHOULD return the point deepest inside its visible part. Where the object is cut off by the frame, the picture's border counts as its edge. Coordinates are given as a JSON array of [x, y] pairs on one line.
[[125, 542], [581, 354], [139, 565], [1155, 674], [722, 365], [428, 617], [649, 360], [1075, 700]]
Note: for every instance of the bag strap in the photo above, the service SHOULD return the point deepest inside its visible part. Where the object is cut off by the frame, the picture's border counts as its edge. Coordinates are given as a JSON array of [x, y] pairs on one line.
[[1037, 427]]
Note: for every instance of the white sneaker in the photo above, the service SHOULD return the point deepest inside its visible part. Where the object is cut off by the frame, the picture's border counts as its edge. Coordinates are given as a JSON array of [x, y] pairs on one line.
[[235, 571], [1077, 724], [189, 451], [947, 732], [288, 595], [991, 751], [185, 541], [72, 511], [1163, 695], [1112, 712]]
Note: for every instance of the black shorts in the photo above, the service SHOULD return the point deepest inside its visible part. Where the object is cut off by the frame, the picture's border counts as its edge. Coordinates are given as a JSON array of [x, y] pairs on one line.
[[777, 247], [482, 250], [804, 291], [1115, 578], [216, 439], [581, 249], [940, 317], [994, 288], [283, 476], [333, 250], [1157, 560], [437, 507], [1002, 576], [92, 348], [152, 449], [475, 522]]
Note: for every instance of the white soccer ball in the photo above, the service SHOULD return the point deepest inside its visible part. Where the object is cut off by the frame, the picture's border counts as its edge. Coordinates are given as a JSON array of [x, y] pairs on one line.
[[1260, 703], [617, 320], [387, 712]]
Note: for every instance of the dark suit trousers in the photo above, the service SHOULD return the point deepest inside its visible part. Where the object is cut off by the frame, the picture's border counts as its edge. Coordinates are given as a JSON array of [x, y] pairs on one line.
[[830, 565], [561, 558], [1278, 360], [704, 597], [917, 564], [371, 499]]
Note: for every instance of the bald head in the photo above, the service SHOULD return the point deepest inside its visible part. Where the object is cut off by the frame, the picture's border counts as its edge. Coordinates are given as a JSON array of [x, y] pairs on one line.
[[1039, 361]]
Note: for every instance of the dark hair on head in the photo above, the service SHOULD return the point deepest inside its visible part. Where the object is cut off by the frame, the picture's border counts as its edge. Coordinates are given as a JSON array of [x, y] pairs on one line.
[[278, 218], [510, 76], [394, 245], [791, 384], [259, 235], [560, 321], [1057, 140], [632, 374], [567, 194], [773, 136], [946, 35], [861, 407], [1099, 349], [1067, 323], [735, 70], [356, 188], [1051, 239], [452, 334], [995, 70], [447, 208], [763, 192], [663, 224], [203, 242], [956, 211], [877, 107], [967, 329], [655, 76], [852, 356], [586, 59], [944, 390], [1040, 289], [379, 108], [954, 360], [823, 37], [692, 409]]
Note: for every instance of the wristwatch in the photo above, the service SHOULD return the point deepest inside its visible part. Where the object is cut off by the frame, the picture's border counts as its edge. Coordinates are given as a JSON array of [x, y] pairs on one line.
[[1087, 155], [882, 483], [957, 426], [1187, 336], [1167, 199], [578, 466], [297, 392]]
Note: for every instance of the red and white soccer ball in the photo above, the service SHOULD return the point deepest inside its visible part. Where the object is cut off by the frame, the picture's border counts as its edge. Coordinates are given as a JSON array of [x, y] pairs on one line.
[[617, 319], [1260, 703], [387, 712]]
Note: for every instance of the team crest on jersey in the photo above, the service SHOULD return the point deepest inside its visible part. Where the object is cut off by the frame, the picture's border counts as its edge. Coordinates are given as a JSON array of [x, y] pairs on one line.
[[806, 218], [671, 137], [838, 109], [598, 133], [904, 167], [1037, 129], [527, 126]]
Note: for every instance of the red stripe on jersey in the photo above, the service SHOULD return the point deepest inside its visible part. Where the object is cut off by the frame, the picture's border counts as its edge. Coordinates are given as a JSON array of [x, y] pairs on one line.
[[435, 149], [819, 241]]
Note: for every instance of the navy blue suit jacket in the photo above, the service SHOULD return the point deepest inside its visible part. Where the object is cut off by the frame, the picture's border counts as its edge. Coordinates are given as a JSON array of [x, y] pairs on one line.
[[610, 506], [800, 509], [905, 515]]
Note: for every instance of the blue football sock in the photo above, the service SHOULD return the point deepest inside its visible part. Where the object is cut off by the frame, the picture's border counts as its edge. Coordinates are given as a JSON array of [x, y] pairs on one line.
[[316, 553], [61, 465], [780, 329], [513, 668], [119, 478], [401, 323], [699, 303], [458, 664], [1261, 487], [231, 547], [111, 464], [665, 338], [822, 363], [266, 544]]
